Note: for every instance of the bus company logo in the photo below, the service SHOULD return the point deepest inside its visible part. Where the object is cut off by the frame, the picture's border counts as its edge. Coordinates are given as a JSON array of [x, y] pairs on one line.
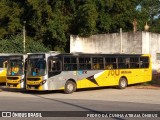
[[82, 72], [126, 72], [6, 114]]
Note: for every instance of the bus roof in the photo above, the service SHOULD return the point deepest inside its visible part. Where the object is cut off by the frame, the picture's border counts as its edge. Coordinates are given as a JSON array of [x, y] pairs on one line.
[[101, 54], [87, 54]]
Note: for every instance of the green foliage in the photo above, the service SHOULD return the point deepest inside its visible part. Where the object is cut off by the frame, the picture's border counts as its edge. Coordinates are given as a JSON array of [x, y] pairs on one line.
[[151, 8], [155, 26], [10, 17], [50, 22], [149, 11], [86, 19], [15, 45]]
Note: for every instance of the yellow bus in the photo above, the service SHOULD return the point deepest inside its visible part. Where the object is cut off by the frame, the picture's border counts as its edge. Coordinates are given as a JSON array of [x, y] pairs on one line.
[[53, 71], [3, 67], [16, 71]]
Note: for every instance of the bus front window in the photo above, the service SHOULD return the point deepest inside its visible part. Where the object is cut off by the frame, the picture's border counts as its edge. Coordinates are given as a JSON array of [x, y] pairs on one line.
[[36, 67], [15, 67]]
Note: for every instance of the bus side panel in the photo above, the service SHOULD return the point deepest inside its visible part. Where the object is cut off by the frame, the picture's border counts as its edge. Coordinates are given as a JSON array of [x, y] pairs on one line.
[[3, 72], [100, 78], [133, 75], [58, 81], [97, 78], [85, 78], [147, 75]]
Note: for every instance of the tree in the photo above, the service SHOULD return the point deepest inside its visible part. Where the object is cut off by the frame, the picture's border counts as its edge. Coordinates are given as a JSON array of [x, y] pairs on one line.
[[155, 25], [149, 11], [86, 18], [51, 22], [10, 17], [122, 14], [48, 25], [151, 8], [14, 44]]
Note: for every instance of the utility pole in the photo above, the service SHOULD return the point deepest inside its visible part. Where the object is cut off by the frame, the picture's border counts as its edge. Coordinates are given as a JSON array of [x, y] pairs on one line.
[[121, 40], [24, 37]]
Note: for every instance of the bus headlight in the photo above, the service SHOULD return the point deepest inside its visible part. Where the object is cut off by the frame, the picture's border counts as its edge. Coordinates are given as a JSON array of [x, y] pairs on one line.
[[43, 82]]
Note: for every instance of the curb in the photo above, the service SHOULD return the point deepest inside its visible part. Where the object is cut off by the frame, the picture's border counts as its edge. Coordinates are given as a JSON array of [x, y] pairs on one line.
[[146, 87]]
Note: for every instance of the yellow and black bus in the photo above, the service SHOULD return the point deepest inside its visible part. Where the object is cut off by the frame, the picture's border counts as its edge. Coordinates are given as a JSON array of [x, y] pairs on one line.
[[16, 71], [53, 71], [3, 67]]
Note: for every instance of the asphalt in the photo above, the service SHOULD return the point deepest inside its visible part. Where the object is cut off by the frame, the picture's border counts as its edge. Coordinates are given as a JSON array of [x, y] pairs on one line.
[[130, 94]]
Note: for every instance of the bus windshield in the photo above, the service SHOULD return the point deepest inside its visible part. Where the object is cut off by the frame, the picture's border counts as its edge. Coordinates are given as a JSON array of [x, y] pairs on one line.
[[36, 67], [15, 67]]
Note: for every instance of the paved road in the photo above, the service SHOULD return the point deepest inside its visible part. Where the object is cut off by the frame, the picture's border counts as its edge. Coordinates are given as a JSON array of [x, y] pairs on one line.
[[105, 99]]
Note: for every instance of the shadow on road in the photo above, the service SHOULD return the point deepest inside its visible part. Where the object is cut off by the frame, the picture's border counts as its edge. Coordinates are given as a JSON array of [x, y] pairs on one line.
[[39, 93], [78, 113], [62, 91], [24, 91]]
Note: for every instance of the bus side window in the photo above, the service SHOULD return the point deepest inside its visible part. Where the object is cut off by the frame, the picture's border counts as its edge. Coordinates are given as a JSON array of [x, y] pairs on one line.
[[70, 63], [98, 63], [109, 66], [123, 62], [84, 63], [144, 62], [96, 66], [134, 62], [53, 65], [110, 63]]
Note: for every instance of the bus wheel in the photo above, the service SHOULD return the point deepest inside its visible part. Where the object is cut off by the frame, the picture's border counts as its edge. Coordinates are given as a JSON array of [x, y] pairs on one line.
[[70, 87], [122, 83]]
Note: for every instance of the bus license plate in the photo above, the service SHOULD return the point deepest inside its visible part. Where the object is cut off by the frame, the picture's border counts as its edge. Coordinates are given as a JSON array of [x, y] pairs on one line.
[[32, 87]]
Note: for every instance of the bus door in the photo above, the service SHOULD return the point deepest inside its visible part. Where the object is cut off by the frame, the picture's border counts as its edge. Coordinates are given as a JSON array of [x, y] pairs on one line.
[[54, 69]]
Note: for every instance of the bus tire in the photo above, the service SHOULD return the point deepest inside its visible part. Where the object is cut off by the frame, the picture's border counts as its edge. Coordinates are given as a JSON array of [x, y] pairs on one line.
[[122, 83], [70, 87]]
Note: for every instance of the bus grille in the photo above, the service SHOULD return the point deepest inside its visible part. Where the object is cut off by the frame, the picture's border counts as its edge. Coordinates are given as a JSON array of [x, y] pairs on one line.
[[33, 79], [12, 78]]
